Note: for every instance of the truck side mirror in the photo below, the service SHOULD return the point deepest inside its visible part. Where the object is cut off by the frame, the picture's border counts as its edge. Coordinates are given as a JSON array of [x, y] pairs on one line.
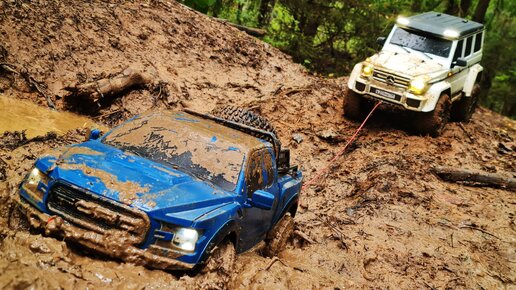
[[93, 134], [381, 40], [461, 62], [262, 199]]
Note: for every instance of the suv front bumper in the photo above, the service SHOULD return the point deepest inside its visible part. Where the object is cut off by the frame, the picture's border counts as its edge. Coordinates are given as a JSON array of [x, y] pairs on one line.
[[116, 244], [400, 97]]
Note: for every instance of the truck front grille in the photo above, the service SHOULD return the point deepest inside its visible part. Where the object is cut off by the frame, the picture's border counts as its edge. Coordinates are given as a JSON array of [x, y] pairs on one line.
[[97, 213], [390, 78]]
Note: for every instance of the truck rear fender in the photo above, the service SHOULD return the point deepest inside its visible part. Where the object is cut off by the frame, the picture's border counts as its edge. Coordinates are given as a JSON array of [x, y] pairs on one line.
[[473, 76]]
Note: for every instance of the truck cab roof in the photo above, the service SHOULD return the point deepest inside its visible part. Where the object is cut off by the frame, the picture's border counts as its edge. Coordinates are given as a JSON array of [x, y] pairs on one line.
[[441, 25]]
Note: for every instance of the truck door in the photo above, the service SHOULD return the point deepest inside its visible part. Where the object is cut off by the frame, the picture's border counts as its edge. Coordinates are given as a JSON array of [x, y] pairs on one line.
[[260, 174]]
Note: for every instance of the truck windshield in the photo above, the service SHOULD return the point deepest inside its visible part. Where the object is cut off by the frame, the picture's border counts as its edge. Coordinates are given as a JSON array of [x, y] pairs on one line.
[[421, 42], [192, 145]]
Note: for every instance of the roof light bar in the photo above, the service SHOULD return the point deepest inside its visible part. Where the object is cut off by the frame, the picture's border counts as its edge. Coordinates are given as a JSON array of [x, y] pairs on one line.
[[402, 20], [451, 33]]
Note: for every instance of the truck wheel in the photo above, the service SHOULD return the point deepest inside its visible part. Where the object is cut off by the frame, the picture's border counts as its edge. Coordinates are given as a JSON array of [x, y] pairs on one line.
[[17, 220], [463, 109], [279, 236], [243, 116], [355, 106], [222, 259], [433, 123]]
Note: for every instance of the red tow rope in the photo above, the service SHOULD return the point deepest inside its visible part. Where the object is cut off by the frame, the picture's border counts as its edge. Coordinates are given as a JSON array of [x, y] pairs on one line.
[[323, 170]]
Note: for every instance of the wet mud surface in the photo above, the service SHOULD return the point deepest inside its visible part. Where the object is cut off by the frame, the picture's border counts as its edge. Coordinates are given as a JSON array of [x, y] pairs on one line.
[[379, 219]]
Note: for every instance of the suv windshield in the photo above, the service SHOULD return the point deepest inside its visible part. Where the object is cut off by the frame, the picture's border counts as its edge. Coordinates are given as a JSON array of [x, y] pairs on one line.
[[193, 145], [421, 42]]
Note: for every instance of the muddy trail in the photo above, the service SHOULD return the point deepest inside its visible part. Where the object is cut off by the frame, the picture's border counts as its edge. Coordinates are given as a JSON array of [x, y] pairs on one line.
[[379, 219]]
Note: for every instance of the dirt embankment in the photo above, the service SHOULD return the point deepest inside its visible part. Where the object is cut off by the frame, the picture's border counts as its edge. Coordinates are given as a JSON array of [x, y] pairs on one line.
[[379, 219]]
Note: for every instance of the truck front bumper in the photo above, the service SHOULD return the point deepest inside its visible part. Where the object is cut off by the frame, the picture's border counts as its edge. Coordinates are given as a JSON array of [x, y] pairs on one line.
[[115, 244]]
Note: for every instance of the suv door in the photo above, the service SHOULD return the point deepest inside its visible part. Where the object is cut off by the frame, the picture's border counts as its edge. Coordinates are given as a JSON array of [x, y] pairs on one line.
[[261, 174], [458, 72]]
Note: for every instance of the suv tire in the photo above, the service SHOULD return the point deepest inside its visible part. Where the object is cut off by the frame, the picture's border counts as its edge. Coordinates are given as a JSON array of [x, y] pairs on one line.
[[433, 123], [278, 238], [243, 116], [463, 109], [355, 106]]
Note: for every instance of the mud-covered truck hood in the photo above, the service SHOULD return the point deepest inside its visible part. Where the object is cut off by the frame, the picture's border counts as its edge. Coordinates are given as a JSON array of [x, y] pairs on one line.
[[411, 64], [138, 182]]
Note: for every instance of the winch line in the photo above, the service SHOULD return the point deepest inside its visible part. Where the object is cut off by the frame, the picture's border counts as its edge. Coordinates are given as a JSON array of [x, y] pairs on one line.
[[330, 163]]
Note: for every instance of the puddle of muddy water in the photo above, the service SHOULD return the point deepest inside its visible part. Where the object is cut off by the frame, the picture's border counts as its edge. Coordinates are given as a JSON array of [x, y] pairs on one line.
[[17, 115]]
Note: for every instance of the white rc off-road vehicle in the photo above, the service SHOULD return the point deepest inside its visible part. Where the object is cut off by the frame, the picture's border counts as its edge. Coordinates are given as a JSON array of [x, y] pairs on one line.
[[429, 64]]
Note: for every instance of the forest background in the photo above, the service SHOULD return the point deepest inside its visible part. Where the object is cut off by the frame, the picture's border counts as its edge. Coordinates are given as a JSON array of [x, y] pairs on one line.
[[329, 36]]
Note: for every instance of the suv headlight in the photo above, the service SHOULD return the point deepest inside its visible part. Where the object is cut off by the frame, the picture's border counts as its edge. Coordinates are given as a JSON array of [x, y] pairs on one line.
[[185, 239], [419, 85], [367, 70]]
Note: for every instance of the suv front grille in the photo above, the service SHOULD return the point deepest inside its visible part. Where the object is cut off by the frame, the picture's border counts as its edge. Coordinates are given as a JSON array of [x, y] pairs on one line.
[[97, 213], [390, 78]]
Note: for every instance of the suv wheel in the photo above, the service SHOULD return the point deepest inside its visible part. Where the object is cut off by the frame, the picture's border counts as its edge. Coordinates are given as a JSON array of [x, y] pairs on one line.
[[463, 109], [355, 106], [243, 116], [278, 238], [433, 123]]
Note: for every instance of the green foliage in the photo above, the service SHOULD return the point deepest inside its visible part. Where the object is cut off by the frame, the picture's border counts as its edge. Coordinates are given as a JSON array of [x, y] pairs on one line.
[[330, 36]]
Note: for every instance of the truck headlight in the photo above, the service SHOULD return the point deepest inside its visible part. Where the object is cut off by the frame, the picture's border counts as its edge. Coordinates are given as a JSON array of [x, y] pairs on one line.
[[31, 183], [367, 70], [418, 85], [185, 239]]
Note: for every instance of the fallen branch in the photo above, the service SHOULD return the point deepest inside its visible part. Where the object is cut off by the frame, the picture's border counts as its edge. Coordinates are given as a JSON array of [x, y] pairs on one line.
[[470, 176], [96, 90], [32, 82], [478, 229], [249, 30]]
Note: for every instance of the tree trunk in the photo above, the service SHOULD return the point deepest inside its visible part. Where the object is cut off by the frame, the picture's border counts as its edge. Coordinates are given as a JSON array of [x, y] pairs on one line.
[[266, 7], [470, 176], [452, 8], [416, 6], [464, 7], [480, 11]]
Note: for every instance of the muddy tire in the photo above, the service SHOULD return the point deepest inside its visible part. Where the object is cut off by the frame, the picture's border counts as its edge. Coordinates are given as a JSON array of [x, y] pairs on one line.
[[17, 219], [463, 109], [433, 123], [243, 116], [222, 259], [278, 238], [355, 106]]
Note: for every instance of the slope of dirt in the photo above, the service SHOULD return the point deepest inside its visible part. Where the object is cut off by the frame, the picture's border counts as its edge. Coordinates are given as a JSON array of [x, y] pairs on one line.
[[379, 219]]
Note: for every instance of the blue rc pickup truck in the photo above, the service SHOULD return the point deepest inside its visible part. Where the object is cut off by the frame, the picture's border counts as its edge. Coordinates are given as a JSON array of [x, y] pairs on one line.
[[169, 190]]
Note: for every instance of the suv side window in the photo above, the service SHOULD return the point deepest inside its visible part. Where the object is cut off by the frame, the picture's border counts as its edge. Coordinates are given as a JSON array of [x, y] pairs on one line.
[[469, 43], [458, 50], [478, 41]]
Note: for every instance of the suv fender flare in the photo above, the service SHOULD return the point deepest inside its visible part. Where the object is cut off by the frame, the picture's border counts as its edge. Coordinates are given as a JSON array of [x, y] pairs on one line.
[[474, 72], [355, 73], [434, 93]]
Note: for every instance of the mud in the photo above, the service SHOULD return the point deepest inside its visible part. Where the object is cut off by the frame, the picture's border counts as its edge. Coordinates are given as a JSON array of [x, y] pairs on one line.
[[379, 219]]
